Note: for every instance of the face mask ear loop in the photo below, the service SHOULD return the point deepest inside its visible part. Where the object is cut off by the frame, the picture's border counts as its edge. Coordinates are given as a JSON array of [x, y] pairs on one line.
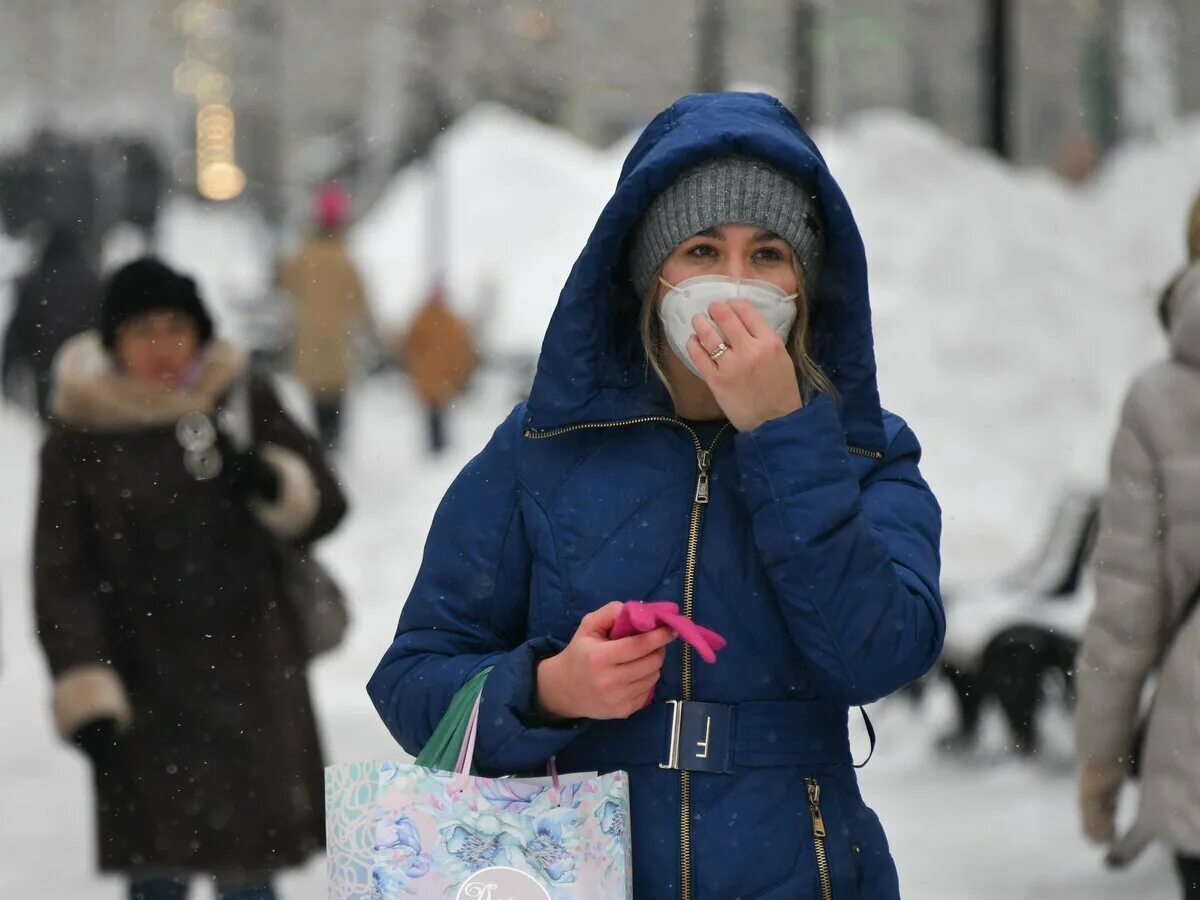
[[667, 284]]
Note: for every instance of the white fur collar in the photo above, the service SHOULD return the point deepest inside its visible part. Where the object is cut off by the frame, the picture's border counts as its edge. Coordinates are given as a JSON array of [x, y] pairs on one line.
[[89, 392]]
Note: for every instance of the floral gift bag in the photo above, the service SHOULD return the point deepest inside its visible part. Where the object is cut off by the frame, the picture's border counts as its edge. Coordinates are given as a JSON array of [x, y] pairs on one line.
[[415, 831]]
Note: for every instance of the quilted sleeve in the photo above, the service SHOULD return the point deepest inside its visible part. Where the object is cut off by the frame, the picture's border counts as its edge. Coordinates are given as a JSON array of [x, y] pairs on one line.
[[854, 564], [468, 610]]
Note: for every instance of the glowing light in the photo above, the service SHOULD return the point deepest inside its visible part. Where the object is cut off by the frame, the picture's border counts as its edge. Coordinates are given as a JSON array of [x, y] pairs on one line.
[[213, 88], [218, 176], [188, 75], [191, 16], [215, 122], [220, 180], [207, 26]]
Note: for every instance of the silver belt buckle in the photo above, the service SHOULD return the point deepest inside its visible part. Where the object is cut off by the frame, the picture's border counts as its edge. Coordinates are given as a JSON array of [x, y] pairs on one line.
[[676, 720]]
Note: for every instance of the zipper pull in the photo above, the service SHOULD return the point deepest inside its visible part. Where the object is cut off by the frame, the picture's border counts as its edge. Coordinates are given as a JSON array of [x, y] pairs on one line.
[[704, 462], [814, 807]]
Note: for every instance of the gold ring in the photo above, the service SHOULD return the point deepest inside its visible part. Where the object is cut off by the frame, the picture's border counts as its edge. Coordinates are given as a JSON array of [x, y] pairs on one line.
[[719, 352]]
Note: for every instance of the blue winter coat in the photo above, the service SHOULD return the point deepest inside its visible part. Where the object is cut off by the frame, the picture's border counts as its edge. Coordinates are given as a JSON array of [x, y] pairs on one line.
[[817, 558]]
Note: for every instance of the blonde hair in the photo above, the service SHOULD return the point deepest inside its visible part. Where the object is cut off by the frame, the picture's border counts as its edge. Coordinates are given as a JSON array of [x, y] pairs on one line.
[[812, 379]]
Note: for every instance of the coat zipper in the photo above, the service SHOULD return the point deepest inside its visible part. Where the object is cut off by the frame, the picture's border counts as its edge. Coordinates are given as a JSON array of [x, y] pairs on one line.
[[818, 828], [700, 499], [534, 434]]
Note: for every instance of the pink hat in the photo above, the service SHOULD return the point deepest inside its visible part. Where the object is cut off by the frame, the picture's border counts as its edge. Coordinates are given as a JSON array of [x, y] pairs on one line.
[[332, 206]]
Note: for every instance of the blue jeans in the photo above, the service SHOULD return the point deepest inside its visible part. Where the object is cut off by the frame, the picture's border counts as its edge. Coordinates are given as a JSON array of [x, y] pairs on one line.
[[170, 889]]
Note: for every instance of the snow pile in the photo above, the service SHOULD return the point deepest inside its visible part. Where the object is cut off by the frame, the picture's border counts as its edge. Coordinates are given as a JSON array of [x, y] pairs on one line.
[[521, 200], [1011, 308], [1145, 191], [1009, 319]]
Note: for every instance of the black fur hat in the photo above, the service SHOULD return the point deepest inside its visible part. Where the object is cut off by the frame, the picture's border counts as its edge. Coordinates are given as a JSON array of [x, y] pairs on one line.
[[149, 284]]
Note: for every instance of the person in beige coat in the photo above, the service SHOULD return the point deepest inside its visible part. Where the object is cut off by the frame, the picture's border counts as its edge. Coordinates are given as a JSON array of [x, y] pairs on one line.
[[1147, 566], [1193, 251], [330, 306], [1193, 238]]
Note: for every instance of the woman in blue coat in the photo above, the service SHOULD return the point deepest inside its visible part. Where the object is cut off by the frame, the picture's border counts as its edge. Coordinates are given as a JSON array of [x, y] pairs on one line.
[[738, 463]]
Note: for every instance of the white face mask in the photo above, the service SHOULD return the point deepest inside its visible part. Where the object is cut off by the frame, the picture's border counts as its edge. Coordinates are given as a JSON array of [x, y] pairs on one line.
[[695, 295]]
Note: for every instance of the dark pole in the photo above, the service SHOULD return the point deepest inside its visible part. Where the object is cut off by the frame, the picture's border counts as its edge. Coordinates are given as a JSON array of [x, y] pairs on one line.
[[261, 76], [710, 47], [997, 72], [804, 61]]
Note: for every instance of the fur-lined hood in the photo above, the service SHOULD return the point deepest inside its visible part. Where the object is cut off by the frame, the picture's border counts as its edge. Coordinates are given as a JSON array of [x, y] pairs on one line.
[[89, 391]]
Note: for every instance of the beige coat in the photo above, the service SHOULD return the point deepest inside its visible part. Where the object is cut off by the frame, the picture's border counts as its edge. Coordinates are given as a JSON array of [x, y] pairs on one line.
[[330, 306], [1147, 563]]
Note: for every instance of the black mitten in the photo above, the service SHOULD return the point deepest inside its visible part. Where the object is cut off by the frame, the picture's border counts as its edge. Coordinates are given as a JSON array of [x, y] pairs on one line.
[[96, 739], [252, 476]]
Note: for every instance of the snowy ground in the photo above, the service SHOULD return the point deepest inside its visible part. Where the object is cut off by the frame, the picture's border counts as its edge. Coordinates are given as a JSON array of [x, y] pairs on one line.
[[991, 829]]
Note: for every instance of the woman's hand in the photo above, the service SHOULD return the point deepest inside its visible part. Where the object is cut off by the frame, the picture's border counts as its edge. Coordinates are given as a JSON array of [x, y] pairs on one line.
[[598, 678], [754, 379]]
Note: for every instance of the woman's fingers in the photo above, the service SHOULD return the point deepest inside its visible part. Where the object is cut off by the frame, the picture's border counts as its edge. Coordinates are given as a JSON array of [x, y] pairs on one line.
[[752, 320], [599, 622], [710, 337], [648, 665], [731, 324], [634, 647], [701, 358], [640, 690]]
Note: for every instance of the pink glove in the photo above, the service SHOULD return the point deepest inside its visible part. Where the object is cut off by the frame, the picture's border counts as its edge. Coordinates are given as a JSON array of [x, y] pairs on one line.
[[637, 617]]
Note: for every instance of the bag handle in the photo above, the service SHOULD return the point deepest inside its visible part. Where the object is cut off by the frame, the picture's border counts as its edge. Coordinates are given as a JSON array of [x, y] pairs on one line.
[[445, 746], [466, 753], [455, 728]]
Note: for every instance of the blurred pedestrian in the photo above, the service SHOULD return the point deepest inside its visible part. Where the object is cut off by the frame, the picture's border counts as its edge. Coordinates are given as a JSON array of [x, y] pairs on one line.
[[1193, 248], [705, 427], [1147, 578], [437, 352], [177, 660], [1193, 236], [57, 299], [330, 308]]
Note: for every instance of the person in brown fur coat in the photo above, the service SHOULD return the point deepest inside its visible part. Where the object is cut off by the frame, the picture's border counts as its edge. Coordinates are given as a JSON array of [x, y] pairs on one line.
[[178, 664]]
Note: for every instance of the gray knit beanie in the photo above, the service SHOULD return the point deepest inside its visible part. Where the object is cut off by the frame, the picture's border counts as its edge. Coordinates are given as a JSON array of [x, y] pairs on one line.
[[727, 190]]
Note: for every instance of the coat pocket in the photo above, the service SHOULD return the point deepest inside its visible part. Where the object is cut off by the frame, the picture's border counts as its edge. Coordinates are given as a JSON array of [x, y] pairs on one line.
[[844, 837]]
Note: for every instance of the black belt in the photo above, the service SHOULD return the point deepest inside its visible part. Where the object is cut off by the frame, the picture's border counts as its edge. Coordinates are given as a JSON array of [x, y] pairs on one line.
[[716, 737]]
